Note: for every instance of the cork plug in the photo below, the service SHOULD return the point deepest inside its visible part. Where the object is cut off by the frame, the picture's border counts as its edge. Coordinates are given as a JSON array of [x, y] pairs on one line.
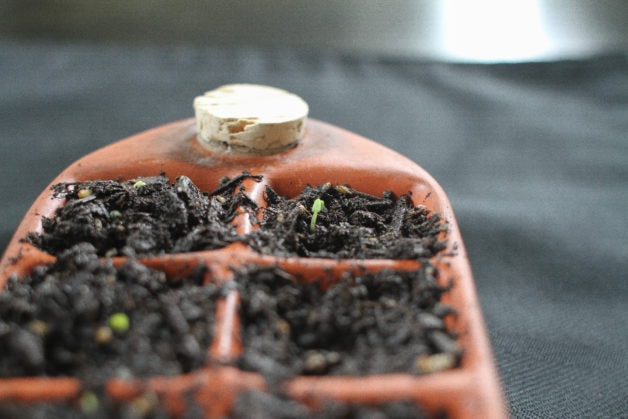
[[249, 118]]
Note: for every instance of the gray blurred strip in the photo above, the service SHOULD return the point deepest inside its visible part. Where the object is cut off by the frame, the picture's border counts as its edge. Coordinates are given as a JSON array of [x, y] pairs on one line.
[[457, 30]]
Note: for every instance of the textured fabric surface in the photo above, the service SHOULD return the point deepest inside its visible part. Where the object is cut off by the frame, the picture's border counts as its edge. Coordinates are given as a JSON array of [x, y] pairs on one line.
[[534, 158]]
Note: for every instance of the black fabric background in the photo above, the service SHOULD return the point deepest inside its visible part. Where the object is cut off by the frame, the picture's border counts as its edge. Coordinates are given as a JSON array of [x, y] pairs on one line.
[[534, 158]]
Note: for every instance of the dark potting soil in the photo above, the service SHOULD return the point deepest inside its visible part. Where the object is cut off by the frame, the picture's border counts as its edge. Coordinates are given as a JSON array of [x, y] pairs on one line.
[[150, 216], [57, 320], [352, 224], [371, 323], [273, 406], [82, 317], [96, 405], [143, 217], [260, 405]]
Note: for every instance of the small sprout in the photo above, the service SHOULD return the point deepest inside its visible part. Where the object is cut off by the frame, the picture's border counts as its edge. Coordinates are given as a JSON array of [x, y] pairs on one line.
[[115, 214], [119, 322], [317, 207], [89, 402], [84, 193], [139, 184], [220, 199]]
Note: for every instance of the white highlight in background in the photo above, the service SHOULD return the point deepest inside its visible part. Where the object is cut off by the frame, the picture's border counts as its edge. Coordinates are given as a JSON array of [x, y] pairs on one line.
[[493, 30]]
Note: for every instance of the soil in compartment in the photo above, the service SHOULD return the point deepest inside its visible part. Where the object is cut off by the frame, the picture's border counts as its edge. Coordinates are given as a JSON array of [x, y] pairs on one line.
[[350, 224], [143, 217], [95, 404], [250, 404], [270, 406], [370, 323], [82, 317]]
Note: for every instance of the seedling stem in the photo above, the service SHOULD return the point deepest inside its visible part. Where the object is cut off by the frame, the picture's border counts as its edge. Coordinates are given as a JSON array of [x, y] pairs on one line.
[[317, 207]]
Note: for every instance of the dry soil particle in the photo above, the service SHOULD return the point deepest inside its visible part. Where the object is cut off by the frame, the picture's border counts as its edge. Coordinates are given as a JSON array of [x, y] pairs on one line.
[[61, 320], [143, 217], [352, 224], [373, 323]]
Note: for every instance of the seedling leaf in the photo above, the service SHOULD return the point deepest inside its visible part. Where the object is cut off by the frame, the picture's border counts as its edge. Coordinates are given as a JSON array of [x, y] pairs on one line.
[[317, 207]]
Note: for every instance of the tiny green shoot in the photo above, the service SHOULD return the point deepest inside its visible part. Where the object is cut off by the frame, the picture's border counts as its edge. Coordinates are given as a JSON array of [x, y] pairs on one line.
[[89, 402], [139, 184], [119, 322], [317, 207]]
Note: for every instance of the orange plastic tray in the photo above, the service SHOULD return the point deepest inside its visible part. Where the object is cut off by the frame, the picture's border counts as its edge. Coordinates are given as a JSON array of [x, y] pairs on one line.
[[325, 154]]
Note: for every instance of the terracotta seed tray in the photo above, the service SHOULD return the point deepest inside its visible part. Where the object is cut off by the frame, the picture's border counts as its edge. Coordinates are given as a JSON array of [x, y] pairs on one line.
[[325, 154]]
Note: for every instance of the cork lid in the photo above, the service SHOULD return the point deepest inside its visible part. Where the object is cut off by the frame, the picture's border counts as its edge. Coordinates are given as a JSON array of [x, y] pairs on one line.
[[250, 118]]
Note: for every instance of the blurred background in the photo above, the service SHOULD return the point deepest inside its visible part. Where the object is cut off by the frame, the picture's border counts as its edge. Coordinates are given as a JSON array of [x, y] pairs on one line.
[[476, 31]]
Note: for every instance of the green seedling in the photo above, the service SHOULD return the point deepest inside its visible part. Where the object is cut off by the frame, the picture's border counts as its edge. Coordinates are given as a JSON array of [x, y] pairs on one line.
[[89, 402], [119, 322], [317, 207], [139, 184]]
